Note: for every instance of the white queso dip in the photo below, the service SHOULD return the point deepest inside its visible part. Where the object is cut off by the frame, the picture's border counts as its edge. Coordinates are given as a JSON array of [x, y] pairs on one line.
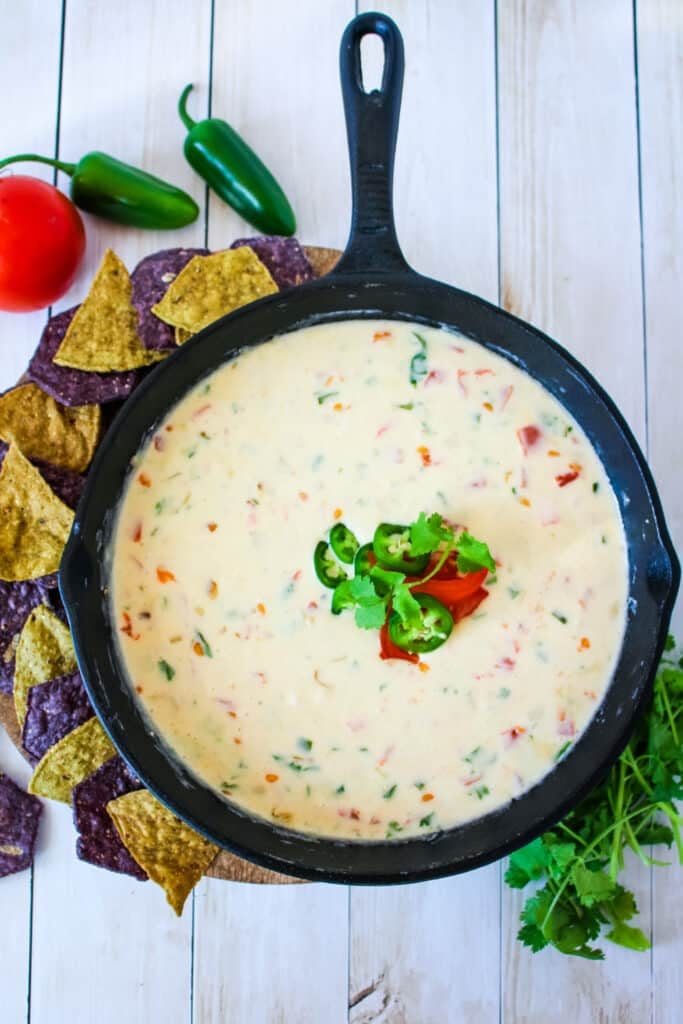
[[227, 634]]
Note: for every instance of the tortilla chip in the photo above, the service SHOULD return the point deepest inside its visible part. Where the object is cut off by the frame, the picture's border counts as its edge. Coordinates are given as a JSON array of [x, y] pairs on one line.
[[17, 601], [45, 651], [209, 287], [67, 485], [54, 710], [74, 387], [322, 260], [103, 336], [98, 841], [44, 429], [181, 335], [19, 817], [284, 259], [173, 855], [149, 280], [70, 761], [34, 523]]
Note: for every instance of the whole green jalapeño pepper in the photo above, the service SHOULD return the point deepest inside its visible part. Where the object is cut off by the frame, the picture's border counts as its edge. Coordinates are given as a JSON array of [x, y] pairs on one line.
[[391, 545], [109, 188], [235, 173], [433, 630]]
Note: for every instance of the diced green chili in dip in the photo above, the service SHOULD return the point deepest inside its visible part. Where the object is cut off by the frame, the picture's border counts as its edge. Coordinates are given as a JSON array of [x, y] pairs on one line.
[[226, 631]]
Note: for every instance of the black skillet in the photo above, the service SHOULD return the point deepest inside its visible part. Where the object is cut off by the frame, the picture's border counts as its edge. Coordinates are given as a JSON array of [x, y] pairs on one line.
[[373, 280]]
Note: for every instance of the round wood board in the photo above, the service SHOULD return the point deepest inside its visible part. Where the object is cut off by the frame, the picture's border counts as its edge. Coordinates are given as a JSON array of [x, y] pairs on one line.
[[226, 865]]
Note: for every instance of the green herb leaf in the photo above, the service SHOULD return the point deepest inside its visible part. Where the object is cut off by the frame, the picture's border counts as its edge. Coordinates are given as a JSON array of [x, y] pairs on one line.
[[427, 534], [304, 744], [418, 364], [473, 554], [406, 606], [388, 576], [203, 643], [527, 864], [323, 396], [362, 589], [631, 938], [531, 935], [166, 670], [371, 616]]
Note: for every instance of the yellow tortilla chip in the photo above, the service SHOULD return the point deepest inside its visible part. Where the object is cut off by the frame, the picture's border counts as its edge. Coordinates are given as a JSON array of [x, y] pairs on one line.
[[44, 651], [209, 287], [181, 335], [173, 855], [44, 429], [34, 523], [103, 335], [70, 761]]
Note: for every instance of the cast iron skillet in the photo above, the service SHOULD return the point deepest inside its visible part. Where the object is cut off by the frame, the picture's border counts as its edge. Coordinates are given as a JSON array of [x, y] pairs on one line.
[[372, 280]]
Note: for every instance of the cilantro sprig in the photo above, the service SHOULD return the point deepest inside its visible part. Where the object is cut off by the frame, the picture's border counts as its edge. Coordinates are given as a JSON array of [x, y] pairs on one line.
[[429, 534], [579, 861]]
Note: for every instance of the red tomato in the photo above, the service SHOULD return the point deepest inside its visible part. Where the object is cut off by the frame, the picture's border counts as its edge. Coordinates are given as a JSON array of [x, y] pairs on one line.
[[42, 242]]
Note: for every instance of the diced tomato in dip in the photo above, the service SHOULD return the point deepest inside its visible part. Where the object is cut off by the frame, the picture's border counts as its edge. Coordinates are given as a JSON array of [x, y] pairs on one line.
[[298, 715]]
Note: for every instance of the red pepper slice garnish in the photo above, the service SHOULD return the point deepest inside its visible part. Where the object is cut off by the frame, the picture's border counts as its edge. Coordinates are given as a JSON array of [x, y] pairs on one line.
[[528, 437], [566, 478], [467, 605], [449, 591]]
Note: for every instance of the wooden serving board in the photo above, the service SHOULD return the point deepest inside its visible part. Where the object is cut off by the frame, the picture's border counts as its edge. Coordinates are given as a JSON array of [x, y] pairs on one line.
[[226, 865]]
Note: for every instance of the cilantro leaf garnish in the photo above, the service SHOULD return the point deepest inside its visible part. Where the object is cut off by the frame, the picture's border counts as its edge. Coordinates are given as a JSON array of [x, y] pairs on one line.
[[371, 616], [427, 534], [418, 364], [166, 670], [473, 554], [406, 606]]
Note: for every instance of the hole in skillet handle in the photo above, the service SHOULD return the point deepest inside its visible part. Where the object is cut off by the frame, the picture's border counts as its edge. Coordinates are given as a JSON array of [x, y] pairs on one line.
[[372, 127], [372, 62]]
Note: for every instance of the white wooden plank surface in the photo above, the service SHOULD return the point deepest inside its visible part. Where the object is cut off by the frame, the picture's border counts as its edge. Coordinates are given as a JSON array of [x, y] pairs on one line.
[[276, 80], [296, 937], [21, 133], [660, 80], [570, 260], [413, 956], [276, 954], [105, 947]]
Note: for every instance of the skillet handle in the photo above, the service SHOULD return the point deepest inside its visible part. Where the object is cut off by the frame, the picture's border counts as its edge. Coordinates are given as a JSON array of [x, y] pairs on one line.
[[372, 127]]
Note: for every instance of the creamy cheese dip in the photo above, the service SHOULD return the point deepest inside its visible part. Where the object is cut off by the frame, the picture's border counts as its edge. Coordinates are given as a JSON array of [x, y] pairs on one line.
[[226, 632]]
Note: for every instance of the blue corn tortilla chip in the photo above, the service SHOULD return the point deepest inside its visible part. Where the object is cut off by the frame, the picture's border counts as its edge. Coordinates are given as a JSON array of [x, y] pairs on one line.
[[75, 387], [17, 601], [150, 279], [19, 816], [284, 258], [54, 709], [98, 841]]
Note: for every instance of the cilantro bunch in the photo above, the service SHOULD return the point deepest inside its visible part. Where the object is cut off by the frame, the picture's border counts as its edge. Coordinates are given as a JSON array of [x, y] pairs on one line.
[[579, 861]]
